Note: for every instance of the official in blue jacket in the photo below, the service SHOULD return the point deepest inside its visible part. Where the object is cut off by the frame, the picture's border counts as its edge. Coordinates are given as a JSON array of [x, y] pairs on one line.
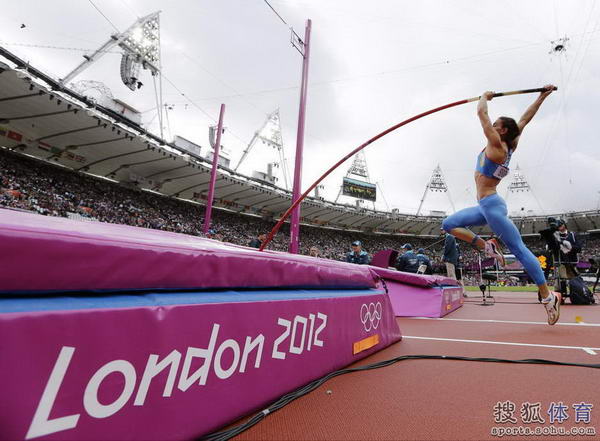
[[450, 255], [408, 261], [357, 255], [452, 260], [424, 261]]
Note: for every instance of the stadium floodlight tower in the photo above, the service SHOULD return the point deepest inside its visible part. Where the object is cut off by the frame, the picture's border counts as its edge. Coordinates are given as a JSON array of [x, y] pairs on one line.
[[141, 49], [519, 184], [270, 135], [437, 183]]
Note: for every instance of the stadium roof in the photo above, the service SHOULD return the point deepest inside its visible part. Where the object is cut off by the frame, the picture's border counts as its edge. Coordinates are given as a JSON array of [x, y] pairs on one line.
[[42, 118]]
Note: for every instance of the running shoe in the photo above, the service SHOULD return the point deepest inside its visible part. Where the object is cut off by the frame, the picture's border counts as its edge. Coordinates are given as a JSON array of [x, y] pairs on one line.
[[492, 249], [553, 307]]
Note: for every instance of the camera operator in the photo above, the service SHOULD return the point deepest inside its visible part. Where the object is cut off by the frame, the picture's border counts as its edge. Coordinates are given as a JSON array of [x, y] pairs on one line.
[[564, 248], [569, 249]]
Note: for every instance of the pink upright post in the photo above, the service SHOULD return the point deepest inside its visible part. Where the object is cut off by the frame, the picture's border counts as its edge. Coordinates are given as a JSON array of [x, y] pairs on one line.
[[213, 172], [296, 191]]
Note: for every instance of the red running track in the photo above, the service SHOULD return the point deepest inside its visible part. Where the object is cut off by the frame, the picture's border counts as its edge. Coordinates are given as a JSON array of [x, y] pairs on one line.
[[454, 400]]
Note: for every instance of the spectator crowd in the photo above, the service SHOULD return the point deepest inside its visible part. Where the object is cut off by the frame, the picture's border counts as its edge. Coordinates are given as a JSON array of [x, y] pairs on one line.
[[47, 189]]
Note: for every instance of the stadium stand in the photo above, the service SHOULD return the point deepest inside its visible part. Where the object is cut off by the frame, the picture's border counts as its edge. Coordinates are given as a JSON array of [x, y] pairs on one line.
[[52, 190]]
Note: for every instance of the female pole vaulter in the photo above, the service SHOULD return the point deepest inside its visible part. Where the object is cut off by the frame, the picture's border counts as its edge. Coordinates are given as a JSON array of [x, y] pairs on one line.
[[500, 146], [492, 165]]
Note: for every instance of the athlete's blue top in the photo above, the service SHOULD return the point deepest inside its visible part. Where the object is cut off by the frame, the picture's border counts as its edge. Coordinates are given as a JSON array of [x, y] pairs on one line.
[[489, 168]]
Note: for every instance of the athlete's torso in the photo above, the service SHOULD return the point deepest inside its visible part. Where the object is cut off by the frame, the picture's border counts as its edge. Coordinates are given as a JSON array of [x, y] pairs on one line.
[[489, 171]]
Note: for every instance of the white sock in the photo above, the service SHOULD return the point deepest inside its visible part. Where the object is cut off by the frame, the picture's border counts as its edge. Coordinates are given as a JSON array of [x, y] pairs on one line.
[[549, 298]]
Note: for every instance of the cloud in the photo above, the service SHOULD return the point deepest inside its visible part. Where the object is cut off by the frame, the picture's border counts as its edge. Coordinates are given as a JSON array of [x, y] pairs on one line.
[[372, 65]]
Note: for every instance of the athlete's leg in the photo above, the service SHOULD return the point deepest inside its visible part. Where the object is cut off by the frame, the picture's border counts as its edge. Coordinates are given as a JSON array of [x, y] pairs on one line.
[[455, 224], [496, 213]]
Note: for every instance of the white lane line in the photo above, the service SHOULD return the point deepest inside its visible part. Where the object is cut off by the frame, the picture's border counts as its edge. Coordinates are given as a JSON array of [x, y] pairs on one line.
[[500, 321], [508, 343]]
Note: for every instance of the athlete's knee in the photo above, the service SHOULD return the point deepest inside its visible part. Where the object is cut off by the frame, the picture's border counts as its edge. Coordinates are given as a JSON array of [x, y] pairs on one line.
[[516, 246], [449, 224]]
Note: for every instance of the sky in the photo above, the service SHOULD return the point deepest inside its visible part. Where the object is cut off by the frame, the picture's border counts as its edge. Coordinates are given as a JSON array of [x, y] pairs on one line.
[[372, 65]]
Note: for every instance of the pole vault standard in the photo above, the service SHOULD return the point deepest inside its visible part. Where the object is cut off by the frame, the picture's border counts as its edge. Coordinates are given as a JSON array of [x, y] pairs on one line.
[[375, 138], [213, 173], [304, 49]]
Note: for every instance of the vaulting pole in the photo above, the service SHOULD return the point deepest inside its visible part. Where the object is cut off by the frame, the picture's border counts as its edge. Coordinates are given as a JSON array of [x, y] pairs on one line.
[[373, 139]]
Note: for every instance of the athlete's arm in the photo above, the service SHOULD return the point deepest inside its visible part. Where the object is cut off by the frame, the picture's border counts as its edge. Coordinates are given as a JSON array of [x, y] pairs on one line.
[[488, 129], [532, 110]]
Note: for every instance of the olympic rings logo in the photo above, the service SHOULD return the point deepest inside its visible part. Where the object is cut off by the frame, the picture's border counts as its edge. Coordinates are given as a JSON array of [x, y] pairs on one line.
[[370, 315]]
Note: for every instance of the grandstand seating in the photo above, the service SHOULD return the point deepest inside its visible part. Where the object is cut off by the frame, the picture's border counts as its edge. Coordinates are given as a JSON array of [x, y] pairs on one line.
[[33, 185]]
